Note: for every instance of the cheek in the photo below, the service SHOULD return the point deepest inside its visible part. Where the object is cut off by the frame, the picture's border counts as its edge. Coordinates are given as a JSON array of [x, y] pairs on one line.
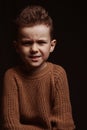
[[23, 50], [46, 51]]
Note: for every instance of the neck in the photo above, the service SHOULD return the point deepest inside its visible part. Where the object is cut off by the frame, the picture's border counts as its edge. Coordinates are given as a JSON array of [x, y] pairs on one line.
[[31, 70]]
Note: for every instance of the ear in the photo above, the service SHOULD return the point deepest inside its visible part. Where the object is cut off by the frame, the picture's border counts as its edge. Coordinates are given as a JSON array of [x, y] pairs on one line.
[[53, 44], [15, 45]]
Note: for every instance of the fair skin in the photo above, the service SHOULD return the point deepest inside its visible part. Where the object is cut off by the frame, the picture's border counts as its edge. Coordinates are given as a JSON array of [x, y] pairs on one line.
[[35, 45]]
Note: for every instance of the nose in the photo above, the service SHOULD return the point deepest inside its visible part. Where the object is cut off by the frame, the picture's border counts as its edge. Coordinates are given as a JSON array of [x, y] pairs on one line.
[[34, 48]]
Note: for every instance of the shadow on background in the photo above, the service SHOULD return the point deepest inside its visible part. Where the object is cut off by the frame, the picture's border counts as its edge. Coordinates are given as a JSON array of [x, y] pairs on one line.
[[69, 23]]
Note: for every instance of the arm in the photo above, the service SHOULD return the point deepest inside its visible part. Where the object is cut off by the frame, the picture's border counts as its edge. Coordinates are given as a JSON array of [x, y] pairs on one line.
[[10, 106], [61, 118]]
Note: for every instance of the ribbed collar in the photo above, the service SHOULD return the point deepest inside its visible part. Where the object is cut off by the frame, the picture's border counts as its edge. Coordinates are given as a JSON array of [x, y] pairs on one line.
[[37, 73]]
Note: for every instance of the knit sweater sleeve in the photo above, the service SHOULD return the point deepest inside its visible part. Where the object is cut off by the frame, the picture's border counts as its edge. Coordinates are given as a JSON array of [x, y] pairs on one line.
[[61, 118], [10, 106]]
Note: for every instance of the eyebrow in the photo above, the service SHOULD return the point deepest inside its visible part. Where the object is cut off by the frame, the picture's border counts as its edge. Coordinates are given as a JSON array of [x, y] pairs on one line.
[[39, 40]]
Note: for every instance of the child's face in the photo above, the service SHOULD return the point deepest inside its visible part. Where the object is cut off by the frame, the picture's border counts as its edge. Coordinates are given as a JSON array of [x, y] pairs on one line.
[[34, 45]]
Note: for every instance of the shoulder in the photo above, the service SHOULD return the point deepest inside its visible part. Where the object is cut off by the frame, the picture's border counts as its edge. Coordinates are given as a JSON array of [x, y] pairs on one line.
[[58, 73], [58, 70], [10, 72]]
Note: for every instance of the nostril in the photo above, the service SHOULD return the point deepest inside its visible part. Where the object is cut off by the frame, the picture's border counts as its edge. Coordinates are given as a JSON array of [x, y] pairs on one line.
[[33, 51]]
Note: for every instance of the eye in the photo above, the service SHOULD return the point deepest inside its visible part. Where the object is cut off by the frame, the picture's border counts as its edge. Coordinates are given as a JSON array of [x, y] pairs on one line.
[[26, 43], [41, 42]]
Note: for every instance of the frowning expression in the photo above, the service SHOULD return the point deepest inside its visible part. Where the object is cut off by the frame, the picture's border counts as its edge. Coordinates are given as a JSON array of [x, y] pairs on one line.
[[35, 44]]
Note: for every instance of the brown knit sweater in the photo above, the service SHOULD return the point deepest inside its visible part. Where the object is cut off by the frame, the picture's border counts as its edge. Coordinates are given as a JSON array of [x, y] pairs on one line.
[[37, 101]]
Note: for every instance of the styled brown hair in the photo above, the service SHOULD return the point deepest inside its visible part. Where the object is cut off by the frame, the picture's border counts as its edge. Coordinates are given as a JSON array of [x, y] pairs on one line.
[[33, 15]]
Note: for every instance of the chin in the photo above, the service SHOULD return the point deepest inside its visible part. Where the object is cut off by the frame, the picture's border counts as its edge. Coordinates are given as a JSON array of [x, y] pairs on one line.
[[34, 64]]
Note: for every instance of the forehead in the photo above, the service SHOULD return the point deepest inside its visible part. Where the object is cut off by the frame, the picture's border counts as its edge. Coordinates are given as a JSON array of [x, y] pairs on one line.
[[36, 29]]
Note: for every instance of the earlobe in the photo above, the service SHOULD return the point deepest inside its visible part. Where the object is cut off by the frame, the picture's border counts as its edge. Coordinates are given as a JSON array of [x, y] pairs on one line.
[[15, 44], [53, 44]]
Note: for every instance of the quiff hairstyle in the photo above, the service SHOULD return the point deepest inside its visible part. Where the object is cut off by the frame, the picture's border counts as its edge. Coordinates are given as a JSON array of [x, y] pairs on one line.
[[34, 15]]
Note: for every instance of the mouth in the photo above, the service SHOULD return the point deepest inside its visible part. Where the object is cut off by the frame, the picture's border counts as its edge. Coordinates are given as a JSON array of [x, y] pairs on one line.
[[34, 58]]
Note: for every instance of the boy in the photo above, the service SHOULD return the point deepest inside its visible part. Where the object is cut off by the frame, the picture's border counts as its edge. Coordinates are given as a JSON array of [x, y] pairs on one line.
[[36, 93]]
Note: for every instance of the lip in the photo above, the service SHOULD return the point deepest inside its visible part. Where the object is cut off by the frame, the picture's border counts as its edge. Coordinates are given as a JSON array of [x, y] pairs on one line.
[[34, 58]]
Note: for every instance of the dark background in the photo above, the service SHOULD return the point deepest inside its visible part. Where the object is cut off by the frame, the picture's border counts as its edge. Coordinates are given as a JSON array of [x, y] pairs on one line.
[[70, 26]]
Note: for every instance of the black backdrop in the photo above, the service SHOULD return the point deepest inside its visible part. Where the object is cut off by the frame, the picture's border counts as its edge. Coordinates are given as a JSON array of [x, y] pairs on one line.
[[69, 22]]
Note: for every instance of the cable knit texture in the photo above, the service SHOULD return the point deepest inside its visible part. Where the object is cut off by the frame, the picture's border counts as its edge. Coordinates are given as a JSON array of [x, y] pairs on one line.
[[36, 101]]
